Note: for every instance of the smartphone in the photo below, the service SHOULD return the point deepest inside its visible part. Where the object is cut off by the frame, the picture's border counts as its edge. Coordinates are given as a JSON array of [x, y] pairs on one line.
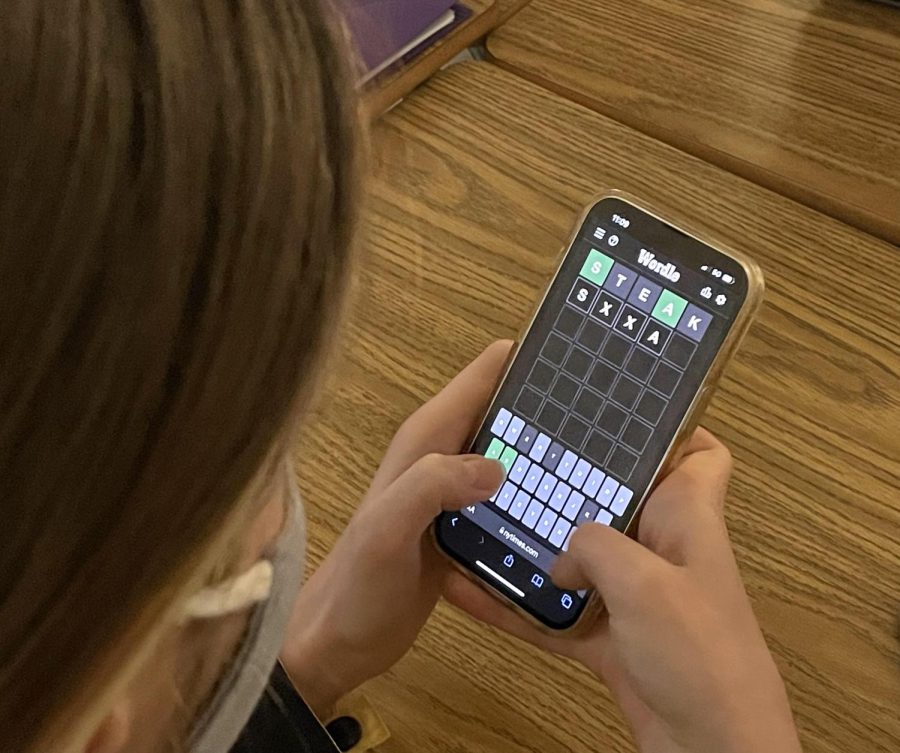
[[610, 377]]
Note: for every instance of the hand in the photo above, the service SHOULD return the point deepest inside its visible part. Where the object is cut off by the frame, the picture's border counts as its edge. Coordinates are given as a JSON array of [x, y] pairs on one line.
[[678, 646], [363, 608]]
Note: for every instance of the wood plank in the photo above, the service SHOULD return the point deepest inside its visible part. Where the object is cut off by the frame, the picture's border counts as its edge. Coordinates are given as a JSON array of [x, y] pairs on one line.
[[508, 8], [480, 176], [797, 95], [387, 90]]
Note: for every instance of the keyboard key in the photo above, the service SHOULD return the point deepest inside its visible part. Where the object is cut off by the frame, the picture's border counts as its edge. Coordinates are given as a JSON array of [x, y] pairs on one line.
[[565, 546], [545, 525], [546, 487], [495, 449], [532, 478], [608, 491], [552, 457], [532, 514], [580, 473], [511, 435], [505, 496], [560, 530], [573, 506], [592, 485], [539, 448], [519, 505], [621, 500], [588, 512], [501, 422], [566, 465], [560, 495], [604, 518], [508, 458], [526, 439], [519, 469]]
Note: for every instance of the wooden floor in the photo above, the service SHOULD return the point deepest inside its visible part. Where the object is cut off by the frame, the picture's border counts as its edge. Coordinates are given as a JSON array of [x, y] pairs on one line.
[[479, 177]]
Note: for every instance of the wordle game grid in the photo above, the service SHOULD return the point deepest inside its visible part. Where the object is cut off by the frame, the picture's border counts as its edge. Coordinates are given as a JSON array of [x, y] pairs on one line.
[[602, 383]]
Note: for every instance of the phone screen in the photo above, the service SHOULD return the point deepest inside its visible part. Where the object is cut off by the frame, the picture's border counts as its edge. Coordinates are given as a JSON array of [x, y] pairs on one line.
[[596, 394]]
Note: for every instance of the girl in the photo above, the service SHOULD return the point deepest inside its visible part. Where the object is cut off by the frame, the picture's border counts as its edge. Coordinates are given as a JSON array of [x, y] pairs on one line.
[[178, 198]]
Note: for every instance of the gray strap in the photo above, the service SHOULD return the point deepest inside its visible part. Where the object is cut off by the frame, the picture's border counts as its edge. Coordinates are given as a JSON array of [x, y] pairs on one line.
[[240, 689]]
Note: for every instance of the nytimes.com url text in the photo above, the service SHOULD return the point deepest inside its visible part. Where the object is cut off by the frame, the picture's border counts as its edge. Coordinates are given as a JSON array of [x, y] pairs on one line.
[[513, 539]]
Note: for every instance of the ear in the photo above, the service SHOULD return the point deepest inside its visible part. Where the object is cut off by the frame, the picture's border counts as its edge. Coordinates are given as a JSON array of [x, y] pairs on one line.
[[114, 731]]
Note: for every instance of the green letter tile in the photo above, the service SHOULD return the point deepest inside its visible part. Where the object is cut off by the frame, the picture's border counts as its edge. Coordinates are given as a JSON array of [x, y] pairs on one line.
[[669, 308], [596, 267]]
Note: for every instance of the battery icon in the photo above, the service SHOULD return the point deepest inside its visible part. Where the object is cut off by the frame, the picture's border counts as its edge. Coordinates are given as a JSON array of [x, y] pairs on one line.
[[727, 278]]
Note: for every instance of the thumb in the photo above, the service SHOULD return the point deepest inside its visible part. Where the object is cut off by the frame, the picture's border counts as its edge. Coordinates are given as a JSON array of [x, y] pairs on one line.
[[435, 483], [618, 567]]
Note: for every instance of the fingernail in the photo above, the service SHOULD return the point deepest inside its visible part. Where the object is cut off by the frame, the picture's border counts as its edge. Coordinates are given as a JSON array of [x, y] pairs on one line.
[[485, 474]]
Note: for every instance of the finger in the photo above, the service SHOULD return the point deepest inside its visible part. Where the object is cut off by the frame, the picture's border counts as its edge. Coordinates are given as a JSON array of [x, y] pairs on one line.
[[445, 422], [619, 568], [435, 483], [683, 518], [701, 440]]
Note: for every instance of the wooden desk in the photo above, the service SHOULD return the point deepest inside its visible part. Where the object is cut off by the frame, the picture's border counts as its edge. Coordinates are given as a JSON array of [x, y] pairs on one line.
[[802, 96], [385, 91], [508, 8], [480, 177]]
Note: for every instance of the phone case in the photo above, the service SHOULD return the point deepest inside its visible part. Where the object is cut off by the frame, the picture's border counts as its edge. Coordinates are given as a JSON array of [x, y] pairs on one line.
[[752, 303]]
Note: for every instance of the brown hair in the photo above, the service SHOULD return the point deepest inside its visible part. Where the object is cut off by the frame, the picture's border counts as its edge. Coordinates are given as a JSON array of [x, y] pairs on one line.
[[177, 203]]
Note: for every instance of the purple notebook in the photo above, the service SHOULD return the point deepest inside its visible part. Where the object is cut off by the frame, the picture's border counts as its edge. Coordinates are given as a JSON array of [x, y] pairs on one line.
[[382, 27]]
